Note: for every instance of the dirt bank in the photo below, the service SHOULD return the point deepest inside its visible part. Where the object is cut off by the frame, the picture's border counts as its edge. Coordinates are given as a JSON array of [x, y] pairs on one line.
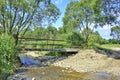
[[91, 61]]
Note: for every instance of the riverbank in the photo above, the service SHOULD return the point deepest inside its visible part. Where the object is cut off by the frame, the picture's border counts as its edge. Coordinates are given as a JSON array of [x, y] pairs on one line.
[[93, 65], [91, 61]]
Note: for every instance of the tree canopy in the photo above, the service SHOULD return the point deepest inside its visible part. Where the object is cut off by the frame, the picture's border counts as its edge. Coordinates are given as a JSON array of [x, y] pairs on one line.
[[111, 11], [19, 15], [115, 32], [83, 14]]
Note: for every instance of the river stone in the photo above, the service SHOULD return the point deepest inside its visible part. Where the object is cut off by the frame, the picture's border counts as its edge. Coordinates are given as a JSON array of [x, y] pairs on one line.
[[15, 77]]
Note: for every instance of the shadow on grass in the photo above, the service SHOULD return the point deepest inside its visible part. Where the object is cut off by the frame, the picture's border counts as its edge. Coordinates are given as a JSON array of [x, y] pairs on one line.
[[109, 52]]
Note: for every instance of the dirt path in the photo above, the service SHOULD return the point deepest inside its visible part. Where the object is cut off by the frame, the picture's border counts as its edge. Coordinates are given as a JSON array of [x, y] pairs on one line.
[[91, 61]]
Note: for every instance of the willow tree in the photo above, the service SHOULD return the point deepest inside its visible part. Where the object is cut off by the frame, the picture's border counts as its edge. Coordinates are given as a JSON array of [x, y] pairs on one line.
[[17, 16], [86, 14], [83, 14]]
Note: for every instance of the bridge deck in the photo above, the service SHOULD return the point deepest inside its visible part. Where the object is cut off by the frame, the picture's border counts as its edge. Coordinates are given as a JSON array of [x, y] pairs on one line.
[[53, 50]]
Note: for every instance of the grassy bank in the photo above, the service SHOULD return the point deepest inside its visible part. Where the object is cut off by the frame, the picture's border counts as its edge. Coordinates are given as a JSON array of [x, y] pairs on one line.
[[109, 46]]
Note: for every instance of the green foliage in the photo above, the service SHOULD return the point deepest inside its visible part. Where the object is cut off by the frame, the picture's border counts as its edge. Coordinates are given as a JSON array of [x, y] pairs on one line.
[[108, 46], [40, 32], [115, 32], [104, 41], [114, 41], [19, 15], [76, 39], [2, 2], [52, 32], [96, 38], [82, 15], [111, 10], [7, 53]]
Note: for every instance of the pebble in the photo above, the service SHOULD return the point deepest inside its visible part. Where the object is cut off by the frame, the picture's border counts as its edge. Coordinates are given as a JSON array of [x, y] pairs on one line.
[[16, 77]]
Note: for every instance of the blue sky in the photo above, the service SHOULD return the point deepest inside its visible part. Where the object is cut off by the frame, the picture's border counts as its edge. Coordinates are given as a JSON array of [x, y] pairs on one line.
[[62, 4]]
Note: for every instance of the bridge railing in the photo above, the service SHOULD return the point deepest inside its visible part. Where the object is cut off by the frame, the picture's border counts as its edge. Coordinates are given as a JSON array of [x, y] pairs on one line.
[[44, 44]]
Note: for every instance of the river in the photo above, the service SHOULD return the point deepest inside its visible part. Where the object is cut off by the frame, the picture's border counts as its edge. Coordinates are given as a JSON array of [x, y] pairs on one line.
[[30, 72]]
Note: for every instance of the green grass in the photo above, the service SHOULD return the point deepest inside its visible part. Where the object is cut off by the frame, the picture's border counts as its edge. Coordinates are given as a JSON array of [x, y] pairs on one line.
[[109, 46], [39, 44], [43, 53]]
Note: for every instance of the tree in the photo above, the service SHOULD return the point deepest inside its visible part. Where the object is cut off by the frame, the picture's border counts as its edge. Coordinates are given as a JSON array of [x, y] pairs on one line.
[[83, 14], [19, 15], [115, 32], [96, 38], [39, 32], [76, 38], [52, 32], [111, 12]]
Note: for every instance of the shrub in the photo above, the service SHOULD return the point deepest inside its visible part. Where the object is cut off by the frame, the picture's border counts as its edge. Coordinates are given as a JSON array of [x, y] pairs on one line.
[[76, 38], [7, 53]]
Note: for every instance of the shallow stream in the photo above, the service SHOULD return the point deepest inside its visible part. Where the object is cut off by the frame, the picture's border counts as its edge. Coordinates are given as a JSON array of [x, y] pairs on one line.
[[56, 73]]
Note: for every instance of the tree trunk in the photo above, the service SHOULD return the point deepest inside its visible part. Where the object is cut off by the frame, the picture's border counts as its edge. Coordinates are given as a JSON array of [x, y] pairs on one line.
[[86, 41], [16, 38]]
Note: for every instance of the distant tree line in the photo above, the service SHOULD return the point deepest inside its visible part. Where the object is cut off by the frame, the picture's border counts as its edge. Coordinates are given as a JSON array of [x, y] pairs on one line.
[[76, 36]]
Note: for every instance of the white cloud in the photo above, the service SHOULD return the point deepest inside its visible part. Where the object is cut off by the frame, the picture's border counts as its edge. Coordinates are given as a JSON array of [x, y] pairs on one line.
[[58, 1]]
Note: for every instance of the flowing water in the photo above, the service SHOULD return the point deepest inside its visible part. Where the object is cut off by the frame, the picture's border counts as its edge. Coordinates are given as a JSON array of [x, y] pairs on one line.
[[57, 73]]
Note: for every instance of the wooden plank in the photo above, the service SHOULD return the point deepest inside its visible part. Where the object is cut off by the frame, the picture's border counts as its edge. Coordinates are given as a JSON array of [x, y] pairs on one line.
[[42, 44], [47, 40], [38, 39], [60, 45], [50, 49], [35, 39]]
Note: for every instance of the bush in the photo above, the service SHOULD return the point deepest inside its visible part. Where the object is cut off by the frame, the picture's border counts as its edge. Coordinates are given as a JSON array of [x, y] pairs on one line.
[[76, 38], [7, 53], [114, 41]]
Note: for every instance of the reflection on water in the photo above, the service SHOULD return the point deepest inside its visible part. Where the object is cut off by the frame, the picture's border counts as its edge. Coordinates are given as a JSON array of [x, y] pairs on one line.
[[57, 73], [26, 61], [103, 74]]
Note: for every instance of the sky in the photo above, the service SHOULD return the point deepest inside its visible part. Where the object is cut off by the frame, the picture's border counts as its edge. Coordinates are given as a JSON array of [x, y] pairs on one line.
[[62, 4]]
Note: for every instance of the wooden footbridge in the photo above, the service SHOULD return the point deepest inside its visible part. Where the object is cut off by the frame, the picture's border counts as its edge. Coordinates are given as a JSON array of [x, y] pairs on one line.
[[52, 45]]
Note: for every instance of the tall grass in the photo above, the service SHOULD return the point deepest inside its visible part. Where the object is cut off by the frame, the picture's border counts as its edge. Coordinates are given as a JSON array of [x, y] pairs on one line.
[[7, 54]]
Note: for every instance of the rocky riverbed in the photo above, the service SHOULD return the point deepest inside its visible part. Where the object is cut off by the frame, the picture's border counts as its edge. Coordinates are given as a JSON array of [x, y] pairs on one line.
[[58, 73], [91, 61], [85, 65]]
